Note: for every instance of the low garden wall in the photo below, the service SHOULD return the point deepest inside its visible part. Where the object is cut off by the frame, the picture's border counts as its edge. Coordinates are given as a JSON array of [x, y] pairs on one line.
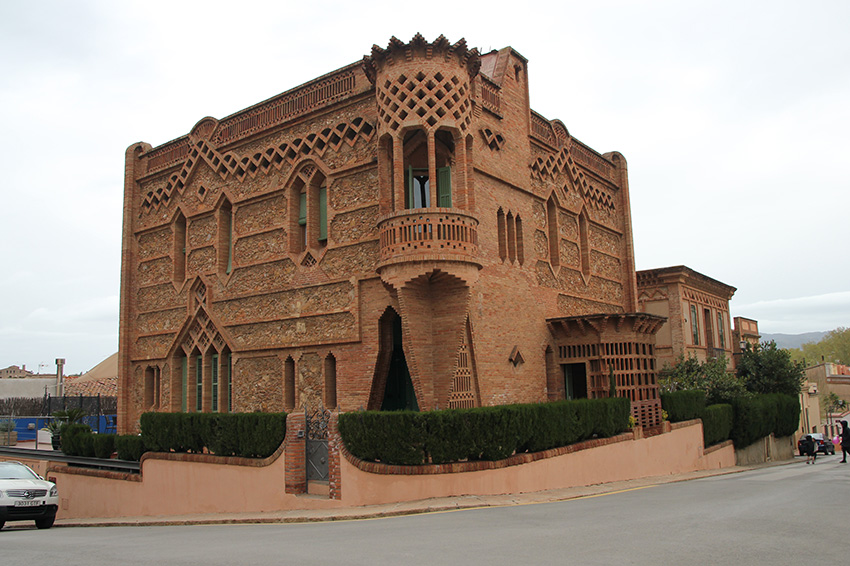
[[180, 484]]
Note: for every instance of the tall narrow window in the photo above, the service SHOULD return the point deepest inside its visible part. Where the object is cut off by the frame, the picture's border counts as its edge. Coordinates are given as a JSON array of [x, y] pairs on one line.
[[289, 384], [554, 235], [511, 237], [225, 238], [215, 359], [323, 214], [694, 325], [501, 228], [721, 334], [227, 369], [179, 253], [584, 241], [302, 218], [418, 188], [330, 381], [185, 384], [520, 251], [199, 383]]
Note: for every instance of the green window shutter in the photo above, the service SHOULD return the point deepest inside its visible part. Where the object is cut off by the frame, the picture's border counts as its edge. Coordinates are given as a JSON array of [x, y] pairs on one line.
[[227, 376], [444, 187], [302, 209], [215, 383], [199, 383], [323, 214], [410, 184], [184, 401]]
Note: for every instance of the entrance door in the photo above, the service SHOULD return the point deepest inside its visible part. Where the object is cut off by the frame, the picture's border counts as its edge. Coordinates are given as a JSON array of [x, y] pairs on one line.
[[575, 381], [399, 394]]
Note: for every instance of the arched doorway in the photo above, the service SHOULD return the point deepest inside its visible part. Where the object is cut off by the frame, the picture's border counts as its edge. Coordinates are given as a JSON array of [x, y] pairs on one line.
[[392, 378]]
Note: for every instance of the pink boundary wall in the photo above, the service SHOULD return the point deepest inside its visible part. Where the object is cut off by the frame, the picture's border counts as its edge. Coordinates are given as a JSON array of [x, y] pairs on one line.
[[182, 484]]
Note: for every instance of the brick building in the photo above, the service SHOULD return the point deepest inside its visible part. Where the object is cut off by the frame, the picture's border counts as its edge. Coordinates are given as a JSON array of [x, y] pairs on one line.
[[697, 311], [404, 232]]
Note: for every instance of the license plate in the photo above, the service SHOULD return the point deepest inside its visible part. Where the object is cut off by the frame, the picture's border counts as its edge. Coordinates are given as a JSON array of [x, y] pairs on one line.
[[28, 503]]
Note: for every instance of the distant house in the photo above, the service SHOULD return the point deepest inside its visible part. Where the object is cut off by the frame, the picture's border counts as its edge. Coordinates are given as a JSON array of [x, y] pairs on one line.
[[697, 311], [15, 372]]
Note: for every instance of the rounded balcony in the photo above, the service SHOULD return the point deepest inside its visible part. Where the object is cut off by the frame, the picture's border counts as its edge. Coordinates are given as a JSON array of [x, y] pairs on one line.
[[428, 235]]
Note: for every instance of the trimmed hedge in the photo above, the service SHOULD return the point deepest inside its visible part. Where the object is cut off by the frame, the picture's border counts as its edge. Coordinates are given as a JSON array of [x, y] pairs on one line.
[[104, 445], [129, 447], [757, 416], [249, 435], [486, 433], [717, 421], [77, 440], [683, 405]]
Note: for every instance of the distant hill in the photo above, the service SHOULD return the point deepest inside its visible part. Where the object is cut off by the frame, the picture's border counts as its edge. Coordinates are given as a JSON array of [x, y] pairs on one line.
[[793, 340]]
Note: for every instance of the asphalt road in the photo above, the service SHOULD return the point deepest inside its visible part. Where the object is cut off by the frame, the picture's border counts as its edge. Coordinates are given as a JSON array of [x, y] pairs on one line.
[[790, 514]]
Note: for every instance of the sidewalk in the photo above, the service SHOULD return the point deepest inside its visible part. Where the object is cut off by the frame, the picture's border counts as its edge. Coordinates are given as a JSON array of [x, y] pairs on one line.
[[442, 504]]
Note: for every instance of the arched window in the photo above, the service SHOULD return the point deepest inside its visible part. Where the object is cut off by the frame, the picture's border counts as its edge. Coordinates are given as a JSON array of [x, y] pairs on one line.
[[427, 180]]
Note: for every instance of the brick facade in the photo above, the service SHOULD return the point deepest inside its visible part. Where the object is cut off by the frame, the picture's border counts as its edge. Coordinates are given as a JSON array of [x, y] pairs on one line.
[[402, 232]]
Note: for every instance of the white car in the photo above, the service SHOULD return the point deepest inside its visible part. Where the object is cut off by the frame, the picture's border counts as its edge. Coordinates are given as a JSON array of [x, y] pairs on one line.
[[26, 496]]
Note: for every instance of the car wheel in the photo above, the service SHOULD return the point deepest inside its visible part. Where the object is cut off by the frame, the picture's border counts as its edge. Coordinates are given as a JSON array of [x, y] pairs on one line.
[[45, 522], [2, 523]]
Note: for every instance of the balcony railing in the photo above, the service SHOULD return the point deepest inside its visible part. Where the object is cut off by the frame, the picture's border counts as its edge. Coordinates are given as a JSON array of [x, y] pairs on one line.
[[428, 234]]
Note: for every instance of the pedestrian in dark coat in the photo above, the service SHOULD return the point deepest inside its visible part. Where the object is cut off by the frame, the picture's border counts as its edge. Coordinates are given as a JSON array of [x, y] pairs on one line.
[[808, 447], [845, 441]]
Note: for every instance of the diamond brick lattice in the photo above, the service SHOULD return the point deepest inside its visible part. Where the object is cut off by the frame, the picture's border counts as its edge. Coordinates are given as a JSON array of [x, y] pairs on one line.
[[430, 97]]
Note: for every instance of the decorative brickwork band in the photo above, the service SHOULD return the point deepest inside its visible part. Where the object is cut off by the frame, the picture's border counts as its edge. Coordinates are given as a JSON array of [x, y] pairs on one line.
[[562, 162], [278, 156]]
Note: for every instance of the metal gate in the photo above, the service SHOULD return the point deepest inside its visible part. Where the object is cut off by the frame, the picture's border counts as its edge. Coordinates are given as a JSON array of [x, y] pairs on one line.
[[317, 444]]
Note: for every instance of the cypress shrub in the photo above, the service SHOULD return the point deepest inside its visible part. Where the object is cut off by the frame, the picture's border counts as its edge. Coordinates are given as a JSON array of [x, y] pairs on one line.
[[717, 423], [683, 405], [130, 447], [104, 445]]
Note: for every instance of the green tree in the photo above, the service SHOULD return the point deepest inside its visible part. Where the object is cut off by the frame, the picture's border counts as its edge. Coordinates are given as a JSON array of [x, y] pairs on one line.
[[765, 368], [834, 347], [710, 376], [832, 403]]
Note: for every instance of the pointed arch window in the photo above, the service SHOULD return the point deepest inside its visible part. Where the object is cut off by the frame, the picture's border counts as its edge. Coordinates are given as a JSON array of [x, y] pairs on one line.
[[554, 233], [225, 237]]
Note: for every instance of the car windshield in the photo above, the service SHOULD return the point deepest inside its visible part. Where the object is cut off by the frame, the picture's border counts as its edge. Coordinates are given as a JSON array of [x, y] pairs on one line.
[[15, 472]]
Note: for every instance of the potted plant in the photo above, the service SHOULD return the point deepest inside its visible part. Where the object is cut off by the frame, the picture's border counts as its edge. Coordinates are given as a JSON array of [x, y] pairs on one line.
[[8, 434], [61, 418]]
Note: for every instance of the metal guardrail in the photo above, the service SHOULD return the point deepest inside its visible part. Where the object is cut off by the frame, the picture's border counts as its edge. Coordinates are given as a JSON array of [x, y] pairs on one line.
[[92, 463]]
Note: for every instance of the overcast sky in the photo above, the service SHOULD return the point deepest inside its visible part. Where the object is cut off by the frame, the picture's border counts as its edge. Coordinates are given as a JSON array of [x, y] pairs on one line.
[[733, 117]]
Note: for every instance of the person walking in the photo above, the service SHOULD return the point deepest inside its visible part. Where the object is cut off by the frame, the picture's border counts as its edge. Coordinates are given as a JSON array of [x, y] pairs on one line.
[[845, 441], [809, 448]]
